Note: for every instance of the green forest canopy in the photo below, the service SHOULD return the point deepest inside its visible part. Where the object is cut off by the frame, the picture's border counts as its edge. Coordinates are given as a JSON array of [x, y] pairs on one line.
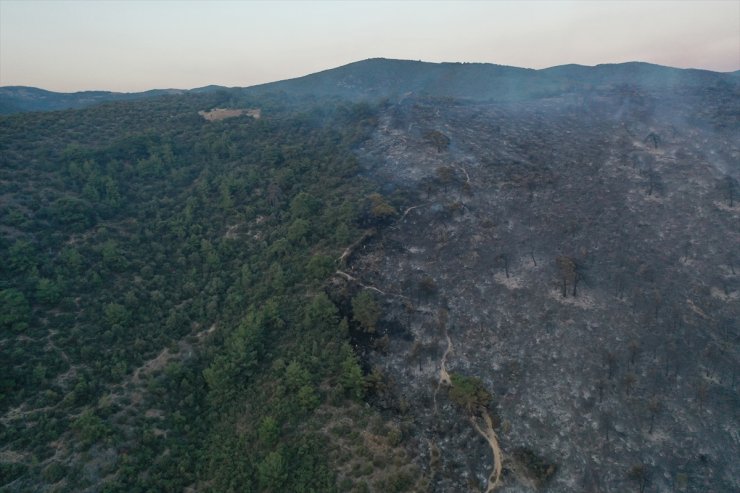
[[163, 321]]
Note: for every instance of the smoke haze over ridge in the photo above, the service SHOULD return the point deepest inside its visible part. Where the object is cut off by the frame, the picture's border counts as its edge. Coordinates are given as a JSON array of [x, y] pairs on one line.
[[134, 46]]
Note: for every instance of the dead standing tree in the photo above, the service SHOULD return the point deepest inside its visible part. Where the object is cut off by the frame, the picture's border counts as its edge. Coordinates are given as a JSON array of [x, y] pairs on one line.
[[654, 406], [730, 186], [439, 140], [502, 260], [445, 176], [568, 271], [654, 183], [640, 475], [610, 360], [654, 139]]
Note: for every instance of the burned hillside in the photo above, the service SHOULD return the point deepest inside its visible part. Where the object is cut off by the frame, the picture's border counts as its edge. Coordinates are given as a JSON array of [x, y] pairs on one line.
[[576, 254]]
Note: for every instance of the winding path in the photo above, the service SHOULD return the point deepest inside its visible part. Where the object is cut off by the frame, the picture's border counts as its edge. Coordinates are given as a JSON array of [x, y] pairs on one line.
[[444, 377], [354, 279], [487, 431]]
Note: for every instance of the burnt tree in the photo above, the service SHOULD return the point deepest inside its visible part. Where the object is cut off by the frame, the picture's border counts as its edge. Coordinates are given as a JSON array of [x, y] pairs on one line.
[[568, 271], [502, 260], [729, 184]]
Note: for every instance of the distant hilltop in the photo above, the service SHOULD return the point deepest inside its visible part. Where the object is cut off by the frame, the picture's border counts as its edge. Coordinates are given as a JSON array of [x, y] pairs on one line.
[[379, 78], [18, 99]]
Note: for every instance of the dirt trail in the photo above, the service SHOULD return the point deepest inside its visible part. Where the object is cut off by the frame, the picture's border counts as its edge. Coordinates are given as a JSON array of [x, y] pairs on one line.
[[444, 377], [467, 176], [406, 212], [355, 280], [351, 278], [487, 431], [354, 246]]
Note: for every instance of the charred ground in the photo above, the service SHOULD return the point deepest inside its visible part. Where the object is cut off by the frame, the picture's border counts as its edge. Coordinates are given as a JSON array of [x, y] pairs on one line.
[[580, 251]]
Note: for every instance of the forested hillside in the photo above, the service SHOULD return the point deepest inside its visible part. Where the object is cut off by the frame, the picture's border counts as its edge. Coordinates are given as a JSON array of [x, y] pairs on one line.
[[163, 320]]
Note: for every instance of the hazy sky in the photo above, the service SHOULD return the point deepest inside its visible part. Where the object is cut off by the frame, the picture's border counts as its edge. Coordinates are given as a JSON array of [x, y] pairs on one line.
[[136, 45]]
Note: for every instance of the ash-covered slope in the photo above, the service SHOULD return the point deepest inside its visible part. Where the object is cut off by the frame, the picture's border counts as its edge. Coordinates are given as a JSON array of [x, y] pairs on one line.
[[575, 255]]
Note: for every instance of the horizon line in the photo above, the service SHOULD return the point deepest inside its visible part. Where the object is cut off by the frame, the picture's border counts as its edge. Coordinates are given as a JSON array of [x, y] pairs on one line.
[[24, 86]]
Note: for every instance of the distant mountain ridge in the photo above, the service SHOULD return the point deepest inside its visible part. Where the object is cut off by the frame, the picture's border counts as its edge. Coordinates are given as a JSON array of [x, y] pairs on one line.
[[378, 78], [19, 99]]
